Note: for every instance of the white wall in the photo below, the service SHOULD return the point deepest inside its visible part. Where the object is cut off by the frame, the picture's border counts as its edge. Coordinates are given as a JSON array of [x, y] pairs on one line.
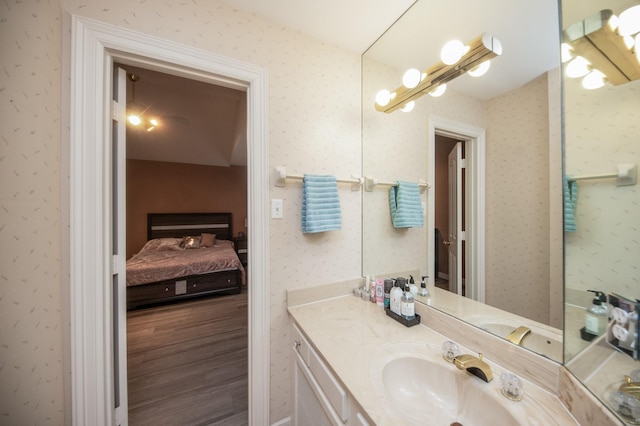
[[314, 127]]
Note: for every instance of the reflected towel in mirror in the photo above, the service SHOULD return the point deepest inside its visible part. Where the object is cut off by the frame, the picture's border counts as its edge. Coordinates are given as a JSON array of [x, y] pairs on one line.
[[570, 191], [406, 206], [320, 204]]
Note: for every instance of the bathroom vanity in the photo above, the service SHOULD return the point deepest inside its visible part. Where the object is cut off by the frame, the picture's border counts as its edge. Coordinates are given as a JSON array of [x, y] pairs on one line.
[[356, 365]]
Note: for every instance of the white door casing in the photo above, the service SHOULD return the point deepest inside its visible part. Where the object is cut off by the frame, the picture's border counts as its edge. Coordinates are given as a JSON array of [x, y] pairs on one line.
[[455, 219], [474, 138], [119, 244], [94, 47]]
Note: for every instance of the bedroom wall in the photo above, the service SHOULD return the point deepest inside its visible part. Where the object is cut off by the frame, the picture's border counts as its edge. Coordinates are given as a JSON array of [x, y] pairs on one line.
[[160, 187], [314, 127]]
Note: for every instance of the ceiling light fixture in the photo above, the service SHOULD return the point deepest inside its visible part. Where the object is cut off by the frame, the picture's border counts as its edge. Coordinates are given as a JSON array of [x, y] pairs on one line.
[[136, 114], [604, 43], [457, 59]]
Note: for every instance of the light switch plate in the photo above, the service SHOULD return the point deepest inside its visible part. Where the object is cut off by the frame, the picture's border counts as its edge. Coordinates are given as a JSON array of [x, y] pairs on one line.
[[276, 208]]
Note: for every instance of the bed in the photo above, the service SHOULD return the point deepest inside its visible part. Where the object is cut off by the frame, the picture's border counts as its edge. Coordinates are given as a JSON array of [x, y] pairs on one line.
[[187, 255]]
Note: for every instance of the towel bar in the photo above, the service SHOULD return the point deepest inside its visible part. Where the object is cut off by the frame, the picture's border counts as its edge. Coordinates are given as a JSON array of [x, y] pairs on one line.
[[370, 183], [627, 175], [280, 177]]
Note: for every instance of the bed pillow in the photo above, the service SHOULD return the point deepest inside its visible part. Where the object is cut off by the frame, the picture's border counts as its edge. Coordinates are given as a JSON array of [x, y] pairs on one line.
[[190, 242], [207, 240]]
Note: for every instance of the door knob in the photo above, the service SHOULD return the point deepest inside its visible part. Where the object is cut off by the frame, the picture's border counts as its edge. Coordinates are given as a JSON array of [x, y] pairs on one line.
[[446, 243]]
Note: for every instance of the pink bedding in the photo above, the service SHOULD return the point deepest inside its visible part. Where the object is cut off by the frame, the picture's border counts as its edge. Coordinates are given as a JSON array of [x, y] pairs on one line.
[[163, 259]]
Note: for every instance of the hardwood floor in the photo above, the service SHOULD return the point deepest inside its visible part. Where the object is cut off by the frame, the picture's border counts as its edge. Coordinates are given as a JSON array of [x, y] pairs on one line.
[[188, 363]]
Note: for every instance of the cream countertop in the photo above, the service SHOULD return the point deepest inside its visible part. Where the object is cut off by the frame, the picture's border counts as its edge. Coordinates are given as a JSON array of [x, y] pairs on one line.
[[350, 334]]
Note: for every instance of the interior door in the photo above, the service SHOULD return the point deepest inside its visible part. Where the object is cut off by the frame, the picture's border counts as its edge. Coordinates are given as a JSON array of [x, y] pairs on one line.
[[118, 194], [456, 235]]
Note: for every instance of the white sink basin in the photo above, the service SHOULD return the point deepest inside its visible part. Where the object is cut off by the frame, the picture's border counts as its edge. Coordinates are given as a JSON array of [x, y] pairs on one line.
[[415, 386], [419, 390]]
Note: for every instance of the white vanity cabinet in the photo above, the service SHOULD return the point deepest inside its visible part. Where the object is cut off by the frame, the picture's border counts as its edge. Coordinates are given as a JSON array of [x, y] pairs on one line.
[[319, 397]]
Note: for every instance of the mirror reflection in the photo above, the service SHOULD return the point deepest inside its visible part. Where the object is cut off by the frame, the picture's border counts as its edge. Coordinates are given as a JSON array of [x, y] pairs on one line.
[[603, 247], [494, 258]]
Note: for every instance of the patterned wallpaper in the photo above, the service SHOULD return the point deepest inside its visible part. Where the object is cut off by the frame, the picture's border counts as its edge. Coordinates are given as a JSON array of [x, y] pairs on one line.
[[31, 378], [517, 200], [601, 131], [314, 125]]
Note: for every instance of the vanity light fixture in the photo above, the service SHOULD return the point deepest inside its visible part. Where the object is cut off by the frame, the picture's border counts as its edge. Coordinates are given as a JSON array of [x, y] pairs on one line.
[[604, 48], [456, 59]]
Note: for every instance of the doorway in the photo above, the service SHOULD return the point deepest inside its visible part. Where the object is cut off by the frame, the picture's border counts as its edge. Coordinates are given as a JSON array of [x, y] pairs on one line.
[[471, 210], [185, 151], [94, 311]]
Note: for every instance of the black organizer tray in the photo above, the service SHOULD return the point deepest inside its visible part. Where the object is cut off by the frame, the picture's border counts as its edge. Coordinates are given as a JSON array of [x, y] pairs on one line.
[[401, 319]]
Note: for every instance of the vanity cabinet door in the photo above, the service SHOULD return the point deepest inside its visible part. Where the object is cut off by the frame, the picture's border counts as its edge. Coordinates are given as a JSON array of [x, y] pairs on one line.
[[309, 408]]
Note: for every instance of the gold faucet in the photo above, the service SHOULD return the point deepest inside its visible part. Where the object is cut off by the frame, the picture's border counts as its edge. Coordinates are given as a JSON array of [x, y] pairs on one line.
[[474, 365], [630, 387], [518, 335]]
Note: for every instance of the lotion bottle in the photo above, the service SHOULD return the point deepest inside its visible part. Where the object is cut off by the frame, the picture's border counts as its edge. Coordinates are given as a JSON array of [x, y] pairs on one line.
[[407, 304], [395, 296], [372, 289], [380, 292]]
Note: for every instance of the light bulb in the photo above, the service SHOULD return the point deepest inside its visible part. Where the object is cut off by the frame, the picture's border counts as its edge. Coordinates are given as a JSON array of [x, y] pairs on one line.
[[439, 91], [452, 51], [134, 119], [579, 67], [594, 80], [629, 21], [629, 42], [409, 106], [411, 78], [480, 70], [566, 52], [383, 97]]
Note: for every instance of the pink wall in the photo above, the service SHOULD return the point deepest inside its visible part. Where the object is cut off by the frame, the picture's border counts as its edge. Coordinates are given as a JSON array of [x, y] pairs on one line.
[[158, 187]]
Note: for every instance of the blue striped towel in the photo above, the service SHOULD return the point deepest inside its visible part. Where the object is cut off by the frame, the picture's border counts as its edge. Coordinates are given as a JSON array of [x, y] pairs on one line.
[[320, 204], [406, 206], [570, 192]]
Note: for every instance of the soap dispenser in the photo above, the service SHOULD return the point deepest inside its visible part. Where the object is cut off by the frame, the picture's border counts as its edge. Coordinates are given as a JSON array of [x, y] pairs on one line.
[[423, 287], [413, 288], [407, 304], [596, 317]]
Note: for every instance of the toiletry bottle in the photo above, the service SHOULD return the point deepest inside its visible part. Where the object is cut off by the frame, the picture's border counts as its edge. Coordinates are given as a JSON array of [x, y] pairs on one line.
[[372, 289], [396, 296], [596, 317], [388, 285], [423, 287], [413, 288], [407, 304], [380, 292]]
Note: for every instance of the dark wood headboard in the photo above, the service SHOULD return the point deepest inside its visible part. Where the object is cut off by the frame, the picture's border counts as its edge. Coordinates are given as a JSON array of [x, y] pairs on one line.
[[165, 225]]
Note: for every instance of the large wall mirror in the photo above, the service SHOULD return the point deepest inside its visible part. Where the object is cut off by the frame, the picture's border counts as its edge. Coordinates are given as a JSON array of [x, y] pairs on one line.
[[601, 132], [507, 126]]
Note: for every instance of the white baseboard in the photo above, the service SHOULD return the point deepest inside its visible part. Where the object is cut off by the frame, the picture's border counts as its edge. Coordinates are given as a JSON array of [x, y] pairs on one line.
[[443, 276]]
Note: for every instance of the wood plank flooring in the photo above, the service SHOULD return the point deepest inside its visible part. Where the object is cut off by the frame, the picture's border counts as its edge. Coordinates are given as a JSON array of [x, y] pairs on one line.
[[188, 363]]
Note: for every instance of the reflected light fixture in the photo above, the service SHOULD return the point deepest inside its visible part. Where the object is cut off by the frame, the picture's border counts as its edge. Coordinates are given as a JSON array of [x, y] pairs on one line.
[[135, 114], [456, 59], [603, 48]]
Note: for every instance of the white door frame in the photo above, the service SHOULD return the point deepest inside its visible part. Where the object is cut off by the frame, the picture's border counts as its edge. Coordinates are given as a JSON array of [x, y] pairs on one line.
[[474, 138], [94, 47]]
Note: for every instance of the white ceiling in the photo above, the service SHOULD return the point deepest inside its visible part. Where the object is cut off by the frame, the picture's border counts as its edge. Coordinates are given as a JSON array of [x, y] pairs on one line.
[[205, 124]]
